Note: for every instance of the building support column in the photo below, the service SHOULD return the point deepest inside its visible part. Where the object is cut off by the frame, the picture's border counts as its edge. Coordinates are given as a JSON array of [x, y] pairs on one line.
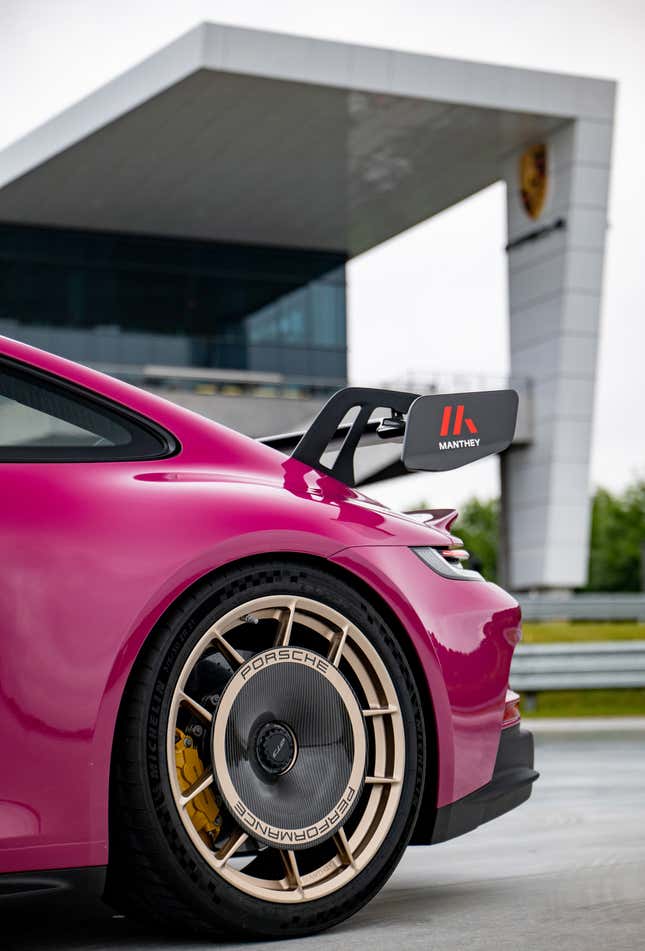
[[555, 282]]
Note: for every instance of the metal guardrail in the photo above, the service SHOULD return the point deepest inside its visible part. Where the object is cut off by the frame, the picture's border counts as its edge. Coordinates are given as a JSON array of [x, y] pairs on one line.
[[605, 665], [583, 607]]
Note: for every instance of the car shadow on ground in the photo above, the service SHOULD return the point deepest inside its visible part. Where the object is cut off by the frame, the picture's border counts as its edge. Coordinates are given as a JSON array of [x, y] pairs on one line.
[[47, 924]]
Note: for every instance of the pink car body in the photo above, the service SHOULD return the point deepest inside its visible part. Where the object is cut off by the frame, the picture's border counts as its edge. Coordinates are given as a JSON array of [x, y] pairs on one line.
[[94, 553]]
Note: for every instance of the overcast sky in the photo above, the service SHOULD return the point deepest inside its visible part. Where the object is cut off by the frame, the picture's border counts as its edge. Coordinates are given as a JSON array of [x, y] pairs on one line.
[[447, 272]]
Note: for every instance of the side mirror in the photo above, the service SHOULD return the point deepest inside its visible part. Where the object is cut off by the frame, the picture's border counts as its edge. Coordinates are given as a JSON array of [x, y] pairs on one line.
[[445, 432]]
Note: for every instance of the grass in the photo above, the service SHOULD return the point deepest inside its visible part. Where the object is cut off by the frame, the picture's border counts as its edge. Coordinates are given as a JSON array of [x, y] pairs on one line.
[[588, 703], [571, 632]]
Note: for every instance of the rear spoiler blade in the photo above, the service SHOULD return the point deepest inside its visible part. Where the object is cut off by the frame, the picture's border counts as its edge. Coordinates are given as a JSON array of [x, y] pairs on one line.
[[438, 432]]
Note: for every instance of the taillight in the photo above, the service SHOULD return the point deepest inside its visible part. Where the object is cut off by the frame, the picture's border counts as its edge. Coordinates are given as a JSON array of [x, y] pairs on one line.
[[447, 562], [511, 709], [454, 554]]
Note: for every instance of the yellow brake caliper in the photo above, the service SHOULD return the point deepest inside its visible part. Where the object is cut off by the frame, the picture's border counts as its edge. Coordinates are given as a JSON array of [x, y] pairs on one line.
[[203, 809]]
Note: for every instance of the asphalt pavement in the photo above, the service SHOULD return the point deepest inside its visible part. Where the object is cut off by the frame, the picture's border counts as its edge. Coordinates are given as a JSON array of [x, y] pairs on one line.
[[564, 871]]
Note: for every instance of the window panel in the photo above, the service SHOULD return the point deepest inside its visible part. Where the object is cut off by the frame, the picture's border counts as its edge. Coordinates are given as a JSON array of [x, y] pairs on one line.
[[42, 420], [133, 299]]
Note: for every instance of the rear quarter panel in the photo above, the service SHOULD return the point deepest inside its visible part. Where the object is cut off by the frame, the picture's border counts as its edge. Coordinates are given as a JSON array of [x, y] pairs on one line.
[[91, 556]]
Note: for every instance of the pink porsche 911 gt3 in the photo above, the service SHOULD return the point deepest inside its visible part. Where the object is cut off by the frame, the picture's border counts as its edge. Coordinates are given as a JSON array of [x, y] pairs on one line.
[[233, 688]]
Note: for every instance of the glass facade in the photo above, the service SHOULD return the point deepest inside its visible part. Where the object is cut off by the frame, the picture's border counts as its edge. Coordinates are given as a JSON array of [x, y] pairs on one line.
[[130, 300]]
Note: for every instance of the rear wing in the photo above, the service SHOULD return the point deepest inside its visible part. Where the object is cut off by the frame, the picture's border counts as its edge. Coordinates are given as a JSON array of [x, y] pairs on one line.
[[438, 432]]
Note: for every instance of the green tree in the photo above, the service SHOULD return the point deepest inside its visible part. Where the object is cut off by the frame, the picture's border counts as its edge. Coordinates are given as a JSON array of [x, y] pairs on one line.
[[478, 527], [617, 539]]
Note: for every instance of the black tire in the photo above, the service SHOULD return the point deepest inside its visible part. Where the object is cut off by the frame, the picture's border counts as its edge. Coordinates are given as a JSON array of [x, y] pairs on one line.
[[155, 871]]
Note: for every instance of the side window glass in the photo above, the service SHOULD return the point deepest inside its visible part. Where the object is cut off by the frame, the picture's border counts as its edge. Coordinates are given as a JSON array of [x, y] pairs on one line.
[[43, 421]]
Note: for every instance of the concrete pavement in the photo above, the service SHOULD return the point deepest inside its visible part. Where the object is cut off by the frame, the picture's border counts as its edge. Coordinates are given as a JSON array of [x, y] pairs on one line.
[[565, 870]]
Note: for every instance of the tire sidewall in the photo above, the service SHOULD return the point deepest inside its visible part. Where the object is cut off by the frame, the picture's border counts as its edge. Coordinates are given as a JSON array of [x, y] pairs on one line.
[[199, 884]]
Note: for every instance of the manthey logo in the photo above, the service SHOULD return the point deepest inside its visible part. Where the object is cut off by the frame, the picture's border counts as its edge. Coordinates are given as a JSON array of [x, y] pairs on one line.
[[454, 426]]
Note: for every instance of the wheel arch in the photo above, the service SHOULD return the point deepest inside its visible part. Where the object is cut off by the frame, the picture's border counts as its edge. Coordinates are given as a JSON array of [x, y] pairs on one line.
[[428, 801]]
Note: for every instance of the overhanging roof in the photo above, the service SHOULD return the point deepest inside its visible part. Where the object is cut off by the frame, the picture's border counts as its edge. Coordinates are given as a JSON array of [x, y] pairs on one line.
[[240, 135]]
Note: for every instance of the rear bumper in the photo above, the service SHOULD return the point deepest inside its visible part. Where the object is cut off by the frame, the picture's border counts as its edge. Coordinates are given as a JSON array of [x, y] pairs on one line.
[[511, 785]]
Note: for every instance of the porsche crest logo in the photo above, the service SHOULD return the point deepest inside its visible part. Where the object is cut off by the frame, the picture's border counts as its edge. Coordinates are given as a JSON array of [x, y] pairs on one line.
[[533, 180]]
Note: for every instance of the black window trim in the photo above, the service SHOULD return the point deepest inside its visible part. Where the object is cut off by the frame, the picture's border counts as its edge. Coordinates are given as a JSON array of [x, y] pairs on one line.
[[169, 444]]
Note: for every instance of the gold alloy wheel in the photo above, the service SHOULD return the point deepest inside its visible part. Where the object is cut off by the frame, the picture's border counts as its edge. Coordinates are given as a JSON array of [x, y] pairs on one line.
[[303, 748]]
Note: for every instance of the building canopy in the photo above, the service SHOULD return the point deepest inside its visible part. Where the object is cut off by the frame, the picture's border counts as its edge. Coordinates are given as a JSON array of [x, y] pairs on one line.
[[243, 136]]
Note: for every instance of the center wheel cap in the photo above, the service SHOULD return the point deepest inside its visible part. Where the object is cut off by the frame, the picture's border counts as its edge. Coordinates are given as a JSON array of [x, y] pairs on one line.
[[289, 747], [275, 748]]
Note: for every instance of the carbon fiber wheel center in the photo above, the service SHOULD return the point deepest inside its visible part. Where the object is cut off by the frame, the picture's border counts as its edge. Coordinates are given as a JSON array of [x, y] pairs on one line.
[[289, 747]]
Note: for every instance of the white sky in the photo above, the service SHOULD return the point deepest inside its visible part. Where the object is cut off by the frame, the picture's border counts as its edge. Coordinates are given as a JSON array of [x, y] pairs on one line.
[[440, 286]]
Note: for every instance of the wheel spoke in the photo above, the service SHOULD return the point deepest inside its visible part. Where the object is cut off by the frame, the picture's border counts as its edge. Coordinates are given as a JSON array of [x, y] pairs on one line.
[[228, 650], [230, 847], [285, 626], [293, 872], [197, 787], [195, 707], [343, 848], [337, 645], [381, 781], [380, 711]]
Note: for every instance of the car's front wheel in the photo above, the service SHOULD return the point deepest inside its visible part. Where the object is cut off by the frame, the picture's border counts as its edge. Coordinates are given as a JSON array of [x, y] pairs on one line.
[[268, 762]]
